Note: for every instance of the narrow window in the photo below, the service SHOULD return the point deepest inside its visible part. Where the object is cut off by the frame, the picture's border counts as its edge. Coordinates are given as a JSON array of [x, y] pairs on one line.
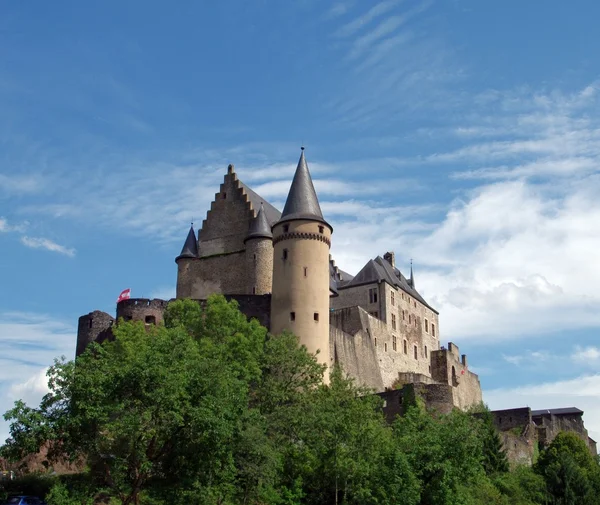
[[321, 229], [385, 346], [285, 254], [415, 303], [393, 299], [286, 228], [90, 322], [416, 352], [150, 320], [375, 340], [255, 259], [292, 316], [433, 329], [405, 348], [393, 321], [316, 316], [403, 316], [224, 196], [373, 295], [426, 326], [394, 343], [425, 351], [254, 290], [305, 271], [409, 319]]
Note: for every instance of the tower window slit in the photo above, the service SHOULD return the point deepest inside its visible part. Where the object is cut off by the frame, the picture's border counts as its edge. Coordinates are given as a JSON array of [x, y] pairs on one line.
[[292, 316], [90, 323], [305, 271], [316, 316], [285, 254]]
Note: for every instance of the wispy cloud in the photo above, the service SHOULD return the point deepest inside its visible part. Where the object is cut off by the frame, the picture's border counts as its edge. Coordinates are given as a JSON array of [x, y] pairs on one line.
[[361, 21], [30, 342], [48, 245]]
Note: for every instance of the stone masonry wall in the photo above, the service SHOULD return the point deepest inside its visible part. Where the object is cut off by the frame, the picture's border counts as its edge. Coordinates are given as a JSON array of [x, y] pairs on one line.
[[354, 350], [92, 327], [223, 274], [404, 333], [259, 266], [227, 221]]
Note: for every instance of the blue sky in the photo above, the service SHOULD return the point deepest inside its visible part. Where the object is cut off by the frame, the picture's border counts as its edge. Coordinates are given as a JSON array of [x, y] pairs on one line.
[[463, 134]]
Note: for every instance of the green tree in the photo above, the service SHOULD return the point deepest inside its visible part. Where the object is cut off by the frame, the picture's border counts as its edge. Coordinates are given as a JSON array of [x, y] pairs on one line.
[[571, 473]]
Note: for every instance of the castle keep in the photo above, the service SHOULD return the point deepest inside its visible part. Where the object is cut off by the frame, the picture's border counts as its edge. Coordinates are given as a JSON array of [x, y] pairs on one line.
[[278, 267]]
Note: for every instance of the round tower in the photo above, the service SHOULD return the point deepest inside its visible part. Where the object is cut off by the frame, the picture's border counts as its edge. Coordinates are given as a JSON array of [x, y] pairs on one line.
[[185, 260], [301, 242], [259, 255]]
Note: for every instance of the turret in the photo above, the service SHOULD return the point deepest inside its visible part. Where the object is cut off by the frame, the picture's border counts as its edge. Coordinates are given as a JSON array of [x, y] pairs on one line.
[[301, 243], [259, 254], [189, 254]]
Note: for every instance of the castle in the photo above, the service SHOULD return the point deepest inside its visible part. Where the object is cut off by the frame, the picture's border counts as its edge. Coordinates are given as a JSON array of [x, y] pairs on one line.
[[278, 267], [375, 325]]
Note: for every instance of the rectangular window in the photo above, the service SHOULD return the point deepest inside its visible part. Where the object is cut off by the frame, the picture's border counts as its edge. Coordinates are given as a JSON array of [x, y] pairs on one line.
[[410, 319], [433, 329], [403, 316], [375, 340], [321, 229], [394, 343], [405, 347], [393, 299], [305, 271], [416, 352], [292, 316], [316, 316], [285, 254], [393, 321], [385, 346], [425, 351], [373, 295], [426, 326]]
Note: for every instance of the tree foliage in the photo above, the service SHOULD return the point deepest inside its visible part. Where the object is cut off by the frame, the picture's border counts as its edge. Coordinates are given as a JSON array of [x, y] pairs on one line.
[[210, 409]]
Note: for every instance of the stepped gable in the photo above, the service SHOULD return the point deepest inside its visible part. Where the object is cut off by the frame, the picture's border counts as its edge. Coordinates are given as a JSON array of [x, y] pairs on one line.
[[378, 270], [190, 247], [302, 201]]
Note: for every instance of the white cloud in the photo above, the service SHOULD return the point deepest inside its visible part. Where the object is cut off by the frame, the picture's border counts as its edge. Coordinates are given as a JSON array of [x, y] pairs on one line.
[[582, 392], [47, 244], [586, 355], [5, 227], [373, 13]]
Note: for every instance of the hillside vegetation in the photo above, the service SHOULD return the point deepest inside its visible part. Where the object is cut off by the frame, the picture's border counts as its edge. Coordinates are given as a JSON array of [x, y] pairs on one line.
[[208, 409]]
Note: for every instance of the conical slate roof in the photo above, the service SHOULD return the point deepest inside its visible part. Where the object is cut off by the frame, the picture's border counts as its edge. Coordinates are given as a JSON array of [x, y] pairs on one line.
[[259, 226], [190, 248], [302, 201]]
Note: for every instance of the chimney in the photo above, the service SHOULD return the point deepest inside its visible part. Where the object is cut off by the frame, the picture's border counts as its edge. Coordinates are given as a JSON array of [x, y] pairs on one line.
[[390, 258]]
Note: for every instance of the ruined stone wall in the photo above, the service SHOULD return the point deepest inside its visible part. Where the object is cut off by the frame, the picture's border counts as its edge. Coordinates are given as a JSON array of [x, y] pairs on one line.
[[520, 448], [512, 419], [142, 309], [92, 327], [449, 367], [550, 425], [354, 350]]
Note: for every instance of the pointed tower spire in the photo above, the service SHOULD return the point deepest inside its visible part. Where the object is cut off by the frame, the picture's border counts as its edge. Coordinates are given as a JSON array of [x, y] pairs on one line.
[[412, 278], [302, 201], [190, 247], [259, 226]]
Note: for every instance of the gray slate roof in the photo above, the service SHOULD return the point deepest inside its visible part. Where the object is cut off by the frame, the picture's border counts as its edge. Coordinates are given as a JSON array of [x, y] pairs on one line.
[[302, 201], [273, 215], [557, 412], [190, 247], [259, 226], [379, 270]]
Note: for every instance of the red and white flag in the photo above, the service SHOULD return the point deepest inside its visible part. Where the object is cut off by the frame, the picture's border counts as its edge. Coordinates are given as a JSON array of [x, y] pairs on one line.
[[125, 295]]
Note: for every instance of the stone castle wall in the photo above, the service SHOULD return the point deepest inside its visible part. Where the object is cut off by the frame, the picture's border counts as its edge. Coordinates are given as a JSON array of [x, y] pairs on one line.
[[92, 327]]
